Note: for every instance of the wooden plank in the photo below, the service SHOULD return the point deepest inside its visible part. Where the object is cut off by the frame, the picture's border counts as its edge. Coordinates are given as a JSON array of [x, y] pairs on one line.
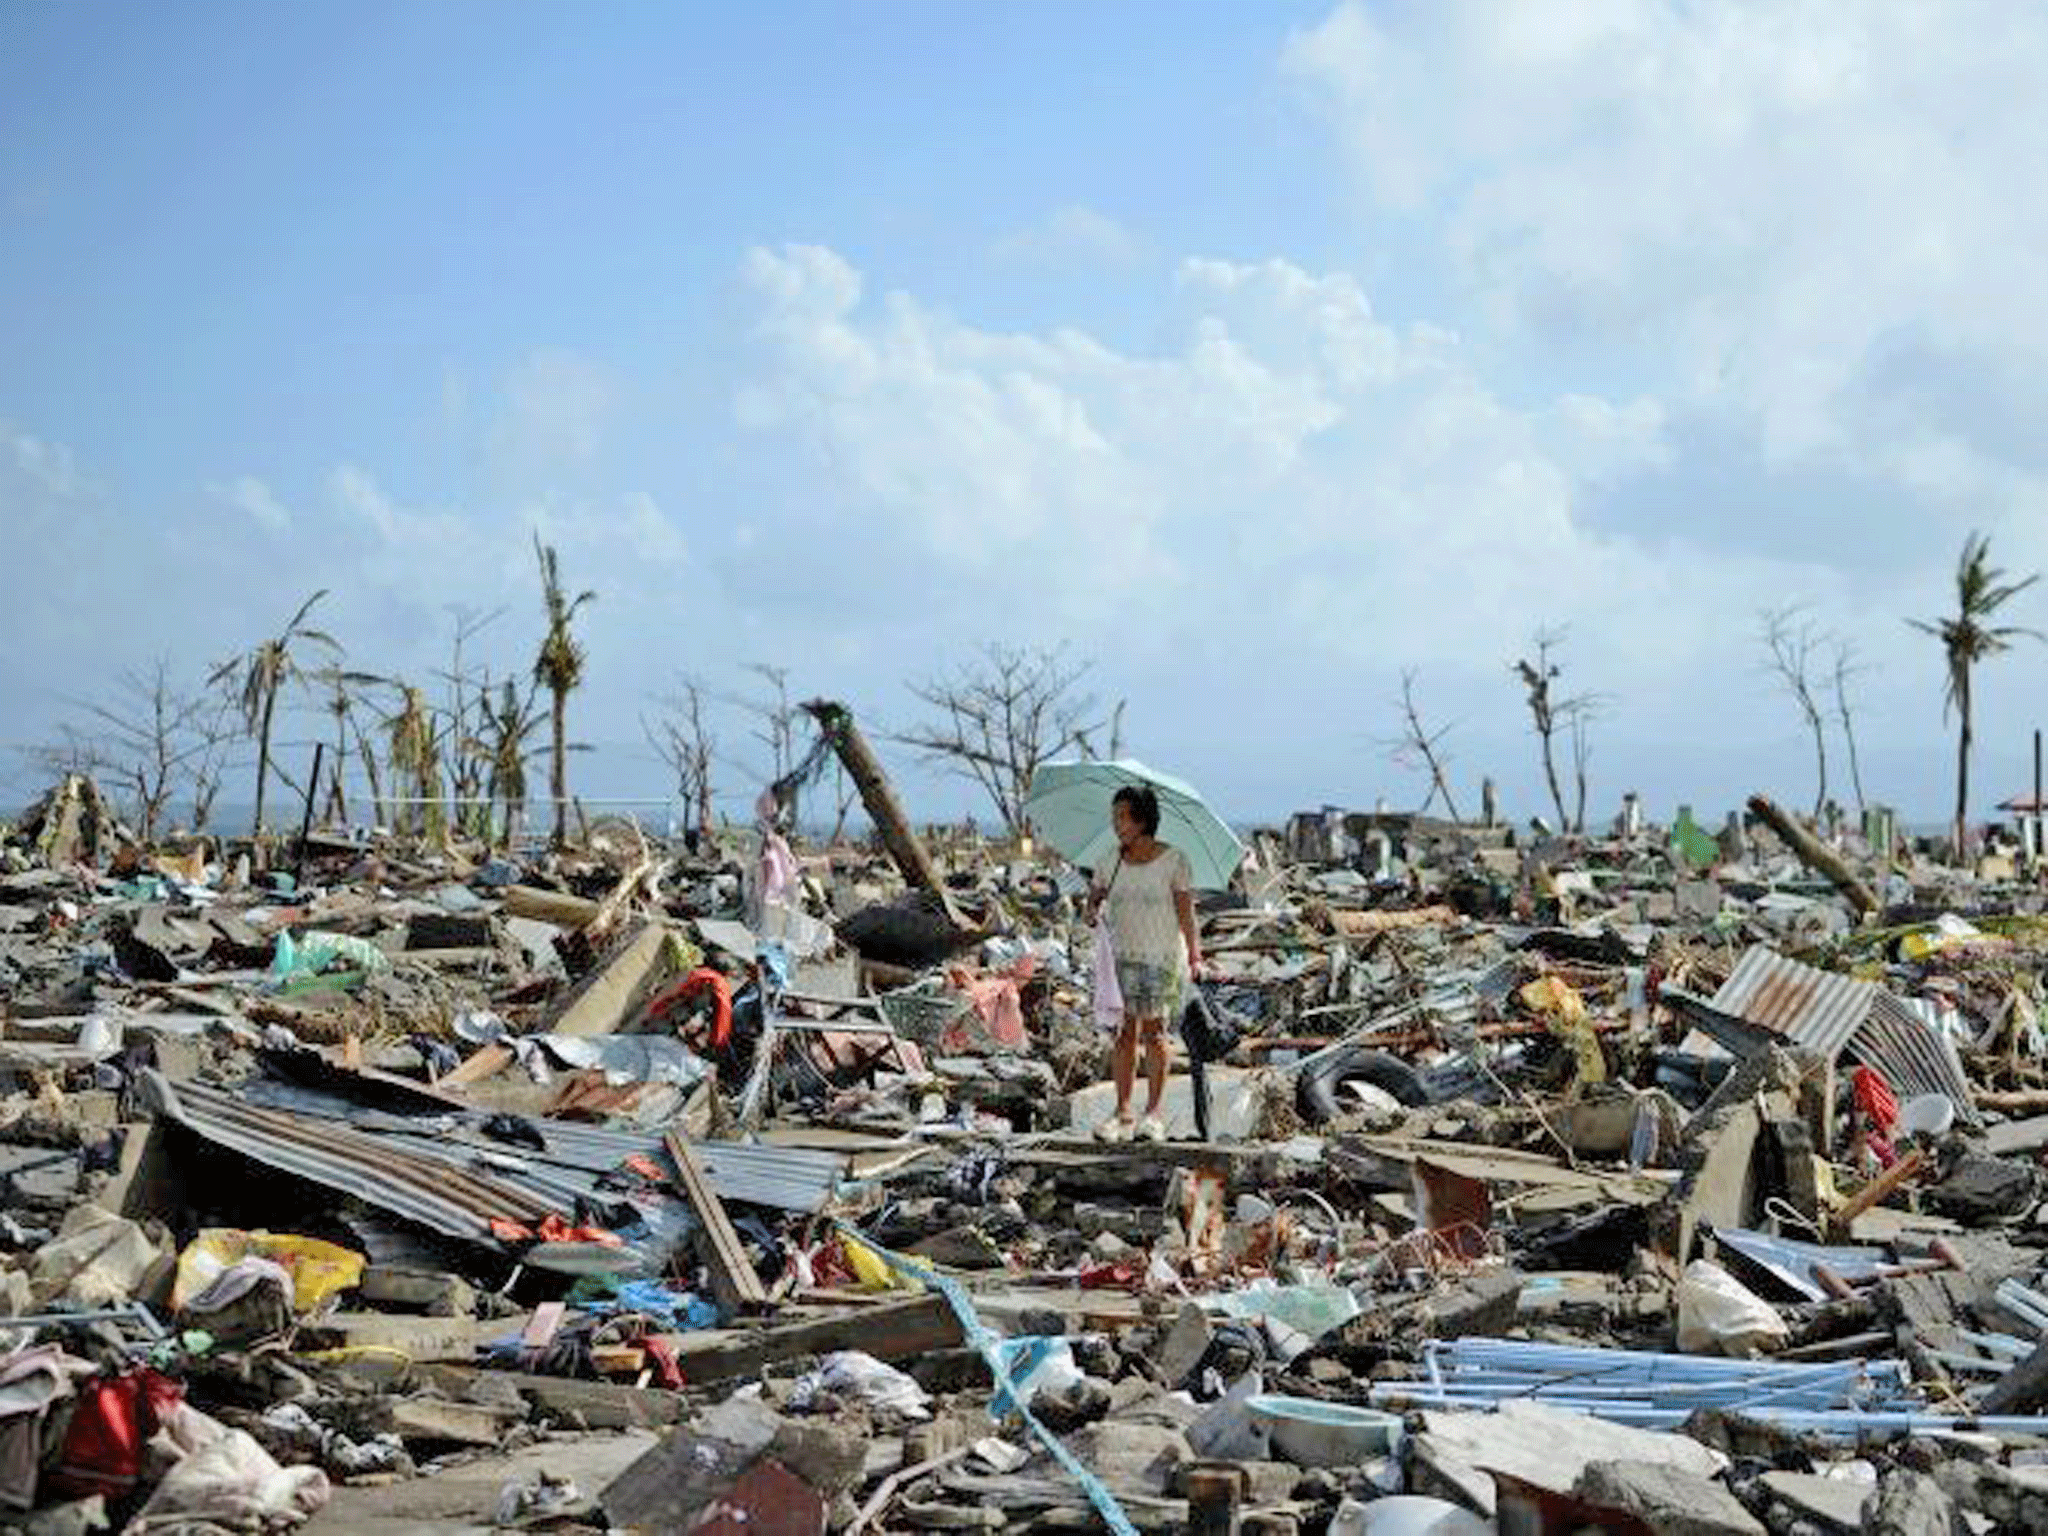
[[421, 1338], [901, 1331], [487, 1062], [601, 1006], [734, 1285], [542, 1327], [1878, 1190], [436, 1421], [557, 907], [565, 1400]]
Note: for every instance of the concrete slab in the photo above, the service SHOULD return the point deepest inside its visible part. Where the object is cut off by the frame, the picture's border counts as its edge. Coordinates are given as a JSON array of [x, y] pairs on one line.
[[1835, 1502], [1455, 1454], [1233, 1105], [462, 1500], [1676, 1503]]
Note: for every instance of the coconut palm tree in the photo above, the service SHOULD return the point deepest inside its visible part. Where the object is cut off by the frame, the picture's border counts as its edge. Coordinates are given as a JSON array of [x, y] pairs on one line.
[[341, 686], [502, 747], [1968, 638], [559, 669], [264, 671], [416, 759]]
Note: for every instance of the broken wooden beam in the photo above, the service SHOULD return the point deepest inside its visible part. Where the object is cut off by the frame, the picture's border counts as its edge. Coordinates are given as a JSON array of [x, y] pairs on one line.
[[557, 907], [1875, 1192], [1815, 854], [734, 1284], [567, 1400], [899, 1331]]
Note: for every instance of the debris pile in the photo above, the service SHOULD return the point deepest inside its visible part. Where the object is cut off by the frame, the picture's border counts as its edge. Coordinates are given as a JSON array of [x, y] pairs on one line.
[[1651, 1180]]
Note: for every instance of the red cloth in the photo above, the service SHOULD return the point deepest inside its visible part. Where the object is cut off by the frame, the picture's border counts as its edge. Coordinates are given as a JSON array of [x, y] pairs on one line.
[[662, 1360], [1875, 1098], [109, 1432], [553, 1229], [696, 984]]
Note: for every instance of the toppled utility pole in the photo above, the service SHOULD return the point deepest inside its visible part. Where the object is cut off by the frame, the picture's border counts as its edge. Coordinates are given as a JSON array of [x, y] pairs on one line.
[[912, 858], [1815, 854]]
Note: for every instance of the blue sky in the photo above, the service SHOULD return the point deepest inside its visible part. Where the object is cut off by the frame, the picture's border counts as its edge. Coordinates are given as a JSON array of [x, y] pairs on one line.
[[1257, 352]]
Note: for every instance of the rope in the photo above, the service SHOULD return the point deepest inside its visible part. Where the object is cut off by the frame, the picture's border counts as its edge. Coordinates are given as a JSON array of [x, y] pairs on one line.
[[989, 1345]]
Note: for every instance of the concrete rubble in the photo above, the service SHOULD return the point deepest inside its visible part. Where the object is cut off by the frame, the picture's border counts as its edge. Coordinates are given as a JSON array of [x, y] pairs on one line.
[[1644, 1181]]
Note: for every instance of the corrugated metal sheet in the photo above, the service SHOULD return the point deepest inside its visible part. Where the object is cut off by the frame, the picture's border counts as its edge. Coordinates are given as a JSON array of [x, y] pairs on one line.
[[785, 1178], [1792, 1261], [422, 1190], [1839, 1017], [442, 1172], [1816, 1010], [1914, 1057]]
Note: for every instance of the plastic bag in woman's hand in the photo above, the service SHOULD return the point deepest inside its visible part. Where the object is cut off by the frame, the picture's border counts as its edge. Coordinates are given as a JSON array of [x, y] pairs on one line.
[[1108, 996]]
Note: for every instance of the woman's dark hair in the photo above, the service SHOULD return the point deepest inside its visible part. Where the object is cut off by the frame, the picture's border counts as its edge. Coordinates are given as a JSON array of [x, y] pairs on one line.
[[1144, 806]]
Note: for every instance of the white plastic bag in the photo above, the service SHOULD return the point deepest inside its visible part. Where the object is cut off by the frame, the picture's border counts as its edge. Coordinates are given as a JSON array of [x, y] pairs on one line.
[[850, 1373], [225, 1480], [1034, 1364], [1718, 1314], [1108, 996]]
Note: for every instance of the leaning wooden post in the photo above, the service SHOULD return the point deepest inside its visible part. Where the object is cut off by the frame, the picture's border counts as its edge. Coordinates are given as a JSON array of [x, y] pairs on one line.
[[912, 858], [1815, 854]]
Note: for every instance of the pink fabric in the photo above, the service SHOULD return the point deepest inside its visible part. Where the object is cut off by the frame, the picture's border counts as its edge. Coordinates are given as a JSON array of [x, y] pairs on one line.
[[778, 869], [998, 1009]]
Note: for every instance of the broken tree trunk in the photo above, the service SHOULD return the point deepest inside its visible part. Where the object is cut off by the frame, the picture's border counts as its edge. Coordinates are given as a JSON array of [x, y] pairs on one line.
[[904, 845], [1815, 854]]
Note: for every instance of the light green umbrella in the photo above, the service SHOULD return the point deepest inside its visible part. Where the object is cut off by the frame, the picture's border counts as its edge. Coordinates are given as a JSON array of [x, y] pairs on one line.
[[1068, 808]]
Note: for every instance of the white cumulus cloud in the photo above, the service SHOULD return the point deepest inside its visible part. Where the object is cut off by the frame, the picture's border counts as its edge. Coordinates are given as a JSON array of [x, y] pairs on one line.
[[1073, 236], [253, 498]]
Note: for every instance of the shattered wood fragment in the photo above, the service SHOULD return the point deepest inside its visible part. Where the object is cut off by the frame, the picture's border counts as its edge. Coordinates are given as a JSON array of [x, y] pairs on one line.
[[735, 1285], [900, 1330]]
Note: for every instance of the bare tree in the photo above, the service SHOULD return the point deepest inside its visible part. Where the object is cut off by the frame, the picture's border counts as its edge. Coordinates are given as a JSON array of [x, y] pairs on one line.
[[264, 671], [75, 751], [1549, 713], [217, 728], [1845, 670], [1792, 646], [469, 700], [775, 729], [1420, 749], [1000, 716], [682, 739], [1580, 715], [1085, 739], [154, 739]]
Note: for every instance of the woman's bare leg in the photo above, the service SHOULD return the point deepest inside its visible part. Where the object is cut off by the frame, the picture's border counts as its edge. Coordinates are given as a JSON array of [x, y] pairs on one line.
[[1154, 1034], [1124, 1066]]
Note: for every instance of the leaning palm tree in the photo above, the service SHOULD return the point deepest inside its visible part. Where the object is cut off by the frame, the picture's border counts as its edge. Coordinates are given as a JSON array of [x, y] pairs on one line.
[[559, 669], [264, 672], [1966, 639]]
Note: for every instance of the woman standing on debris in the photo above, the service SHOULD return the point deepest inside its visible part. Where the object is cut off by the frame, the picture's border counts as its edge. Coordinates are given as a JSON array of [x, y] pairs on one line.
[[1149, 901]]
